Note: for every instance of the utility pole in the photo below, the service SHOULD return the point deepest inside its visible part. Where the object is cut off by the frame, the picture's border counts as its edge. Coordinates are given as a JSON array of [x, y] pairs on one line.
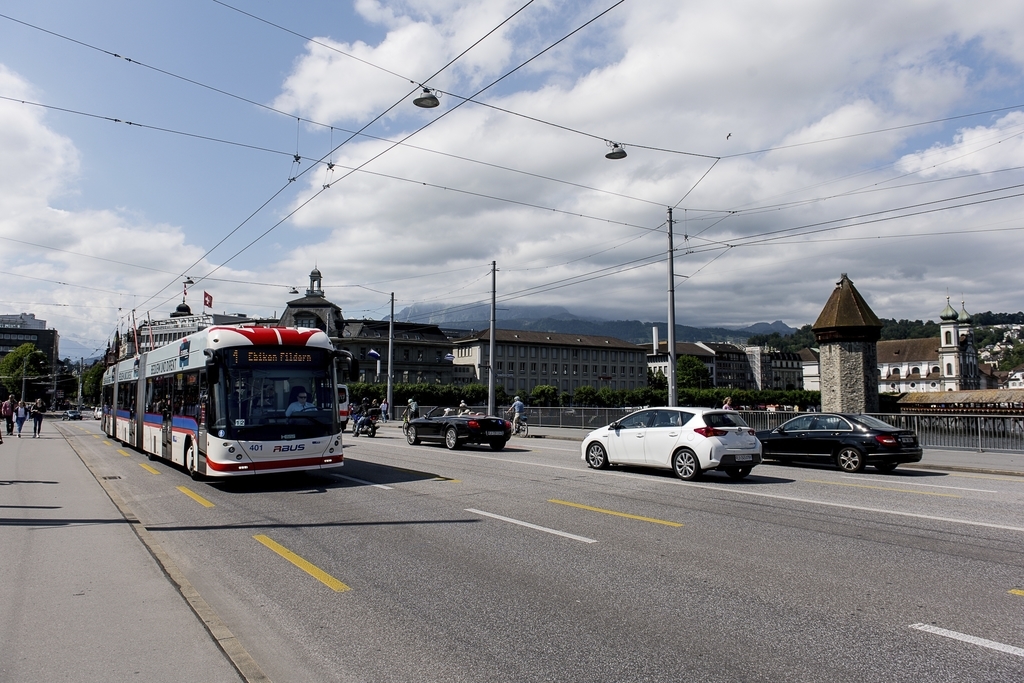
[[672, 392], [391, 353], [490, 362], [81, 369]]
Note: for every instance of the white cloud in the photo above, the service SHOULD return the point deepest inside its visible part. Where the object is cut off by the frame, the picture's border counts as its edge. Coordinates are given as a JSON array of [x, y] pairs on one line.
[[678, 76]]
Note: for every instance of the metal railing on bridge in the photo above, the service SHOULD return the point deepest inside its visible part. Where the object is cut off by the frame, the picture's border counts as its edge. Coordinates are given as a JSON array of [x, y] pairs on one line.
[[974, 432]]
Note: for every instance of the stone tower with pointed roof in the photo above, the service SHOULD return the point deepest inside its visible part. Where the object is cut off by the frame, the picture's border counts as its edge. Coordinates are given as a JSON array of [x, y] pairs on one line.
[[847, 332]]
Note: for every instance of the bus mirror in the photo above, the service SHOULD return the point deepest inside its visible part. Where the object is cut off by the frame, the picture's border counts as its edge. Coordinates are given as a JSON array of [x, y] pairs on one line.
[[348, 366]]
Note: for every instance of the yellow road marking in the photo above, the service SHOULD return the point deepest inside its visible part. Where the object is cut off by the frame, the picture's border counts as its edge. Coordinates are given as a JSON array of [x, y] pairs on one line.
[[124, 453], [148, 468], [196, 497], [617, 514], [883, 488], [311, 569], [1017, 591], [107, 443], [96, 436]]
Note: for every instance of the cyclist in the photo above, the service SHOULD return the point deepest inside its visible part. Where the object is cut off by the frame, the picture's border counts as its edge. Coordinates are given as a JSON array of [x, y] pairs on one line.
[[518, 408], [412, 411]]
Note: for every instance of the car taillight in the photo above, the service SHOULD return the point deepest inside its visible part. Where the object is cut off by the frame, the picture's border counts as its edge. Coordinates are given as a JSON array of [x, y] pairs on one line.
[[473, 424], [508, 425], [886, 439], [710, 431]]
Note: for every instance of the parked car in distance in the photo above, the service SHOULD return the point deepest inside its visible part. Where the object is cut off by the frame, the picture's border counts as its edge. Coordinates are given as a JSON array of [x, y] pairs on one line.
[[71, 415], [97, 413], [444, 424], [850, 441], [689, 441]]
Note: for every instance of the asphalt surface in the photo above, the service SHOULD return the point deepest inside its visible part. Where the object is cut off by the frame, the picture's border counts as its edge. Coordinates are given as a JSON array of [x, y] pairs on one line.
[[521, 565], [81, 597]]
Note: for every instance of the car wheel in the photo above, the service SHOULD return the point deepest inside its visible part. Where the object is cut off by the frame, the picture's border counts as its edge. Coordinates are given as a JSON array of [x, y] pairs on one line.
[[738, 472], [411, 437], [849, 459], [498, 445], [886, 467], [451, 438], [686, 465], [597, 458]]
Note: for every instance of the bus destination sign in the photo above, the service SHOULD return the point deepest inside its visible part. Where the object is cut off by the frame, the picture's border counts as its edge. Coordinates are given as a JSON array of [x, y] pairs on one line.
[[260, 356]]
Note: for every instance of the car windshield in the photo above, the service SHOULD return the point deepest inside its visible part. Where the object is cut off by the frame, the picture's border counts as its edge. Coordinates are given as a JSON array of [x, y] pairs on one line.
[[724, 419], [873, 422]]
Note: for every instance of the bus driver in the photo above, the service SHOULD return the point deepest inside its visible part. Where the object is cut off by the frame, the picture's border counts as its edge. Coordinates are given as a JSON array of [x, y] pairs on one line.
[[299, 405]]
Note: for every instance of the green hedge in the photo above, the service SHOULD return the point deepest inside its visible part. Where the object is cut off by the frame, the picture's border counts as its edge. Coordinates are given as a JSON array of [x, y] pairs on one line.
[[476, 395]]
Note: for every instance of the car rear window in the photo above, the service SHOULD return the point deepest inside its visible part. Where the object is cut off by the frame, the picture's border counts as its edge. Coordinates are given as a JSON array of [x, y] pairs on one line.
[[727, 419]]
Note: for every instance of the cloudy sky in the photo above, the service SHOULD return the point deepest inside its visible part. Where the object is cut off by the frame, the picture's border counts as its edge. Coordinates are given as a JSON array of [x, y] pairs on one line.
[[141, 143]]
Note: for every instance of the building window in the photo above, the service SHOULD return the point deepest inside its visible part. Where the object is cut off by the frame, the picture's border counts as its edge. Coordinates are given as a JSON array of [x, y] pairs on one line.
[[522, 352], [419, 355], [533, 368], [915, 371], [544, 368], [405, 354], [533, 352], [949, 338], [949, 369], [522, 369]]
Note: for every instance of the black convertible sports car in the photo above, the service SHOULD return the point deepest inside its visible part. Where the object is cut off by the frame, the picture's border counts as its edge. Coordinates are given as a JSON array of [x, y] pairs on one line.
[[848, 441], [447, 426]]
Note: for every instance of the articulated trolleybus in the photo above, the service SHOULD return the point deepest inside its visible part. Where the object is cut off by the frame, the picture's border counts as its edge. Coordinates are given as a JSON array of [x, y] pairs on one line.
[[232, 400]]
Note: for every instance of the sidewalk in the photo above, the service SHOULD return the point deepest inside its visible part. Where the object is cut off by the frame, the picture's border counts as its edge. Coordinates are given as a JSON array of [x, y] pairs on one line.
[[81, 597], [984, 462]]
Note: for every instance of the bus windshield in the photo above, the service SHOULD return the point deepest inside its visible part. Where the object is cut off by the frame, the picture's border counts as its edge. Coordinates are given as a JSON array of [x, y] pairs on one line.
[[275, 393]]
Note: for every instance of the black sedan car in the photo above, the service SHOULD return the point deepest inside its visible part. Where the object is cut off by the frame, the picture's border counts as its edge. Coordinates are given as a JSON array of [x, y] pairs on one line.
[[850, 441], [447, 426]]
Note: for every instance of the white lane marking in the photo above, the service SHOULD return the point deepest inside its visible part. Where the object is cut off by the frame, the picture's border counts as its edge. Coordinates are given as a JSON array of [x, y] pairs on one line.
[[973, 640], [739, 492], [901, 482], [363, 482], [532, 526]]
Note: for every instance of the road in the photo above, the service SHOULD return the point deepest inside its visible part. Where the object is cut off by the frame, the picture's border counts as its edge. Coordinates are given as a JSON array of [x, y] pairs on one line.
[[414, 563]]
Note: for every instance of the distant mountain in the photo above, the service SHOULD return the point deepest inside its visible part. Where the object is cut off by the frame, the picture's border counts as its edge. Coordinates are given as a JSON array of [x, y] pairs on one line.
[[558, 319], [449, 316], [767, 328]]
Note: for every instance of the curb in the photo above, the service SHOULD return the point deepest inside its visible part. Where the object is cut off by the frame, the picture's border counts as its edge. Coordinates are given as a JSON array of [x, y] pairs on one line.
[[243, 662]]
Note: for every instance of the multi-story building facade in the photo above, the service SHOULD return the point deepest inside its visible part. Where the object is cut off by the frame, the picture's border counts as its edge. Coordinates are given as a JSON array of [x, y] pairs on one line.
[[657, 361], [781, 370], [422, 353], [524, 360], [732, 366], [948, 363], [24, 328]]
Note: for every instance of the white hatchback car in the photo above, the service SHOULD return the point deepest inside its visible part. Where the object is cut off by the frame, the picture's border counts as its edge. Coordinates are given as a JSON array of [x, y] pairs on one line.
[[688, 441]]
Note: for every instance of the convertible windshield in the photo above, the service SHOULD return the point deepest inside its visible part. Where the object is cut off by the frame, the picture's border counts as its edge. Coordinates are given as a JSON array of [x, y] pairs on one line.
[[276, 394]]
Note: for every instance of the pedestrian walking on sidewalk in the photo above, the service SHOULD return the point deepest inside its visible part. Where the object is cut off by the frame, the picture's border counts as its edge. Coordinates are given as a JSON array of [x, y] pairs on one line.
[[38, 410], [20, 415], [8, 412]]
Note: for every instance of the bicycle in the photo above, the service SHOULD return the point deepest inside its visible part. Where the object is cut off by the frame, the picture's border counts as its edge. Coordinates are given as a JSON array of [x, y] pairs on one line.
[[521, 427]]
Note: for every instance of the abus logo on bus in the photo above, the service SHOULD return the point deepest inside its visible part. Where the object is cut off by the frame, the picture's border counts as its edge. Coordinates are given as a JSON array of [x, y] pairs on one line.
[[289, 447]]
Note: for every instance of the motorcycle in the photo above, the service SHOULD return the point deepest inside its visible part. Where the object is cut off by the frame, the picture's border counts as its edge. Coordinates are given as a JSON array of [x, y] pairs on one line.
[[366, 427]]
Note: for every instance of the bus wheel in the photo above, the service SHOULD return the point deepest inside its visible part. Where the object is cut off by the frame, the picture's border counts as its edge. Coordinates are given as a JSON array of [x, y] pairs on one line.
[[190, 463]]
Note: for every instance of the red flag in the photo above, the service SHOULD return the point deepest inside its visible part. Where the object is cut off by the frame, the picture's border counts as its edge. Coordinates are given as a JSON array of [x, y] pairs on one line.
[[207, 300]]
